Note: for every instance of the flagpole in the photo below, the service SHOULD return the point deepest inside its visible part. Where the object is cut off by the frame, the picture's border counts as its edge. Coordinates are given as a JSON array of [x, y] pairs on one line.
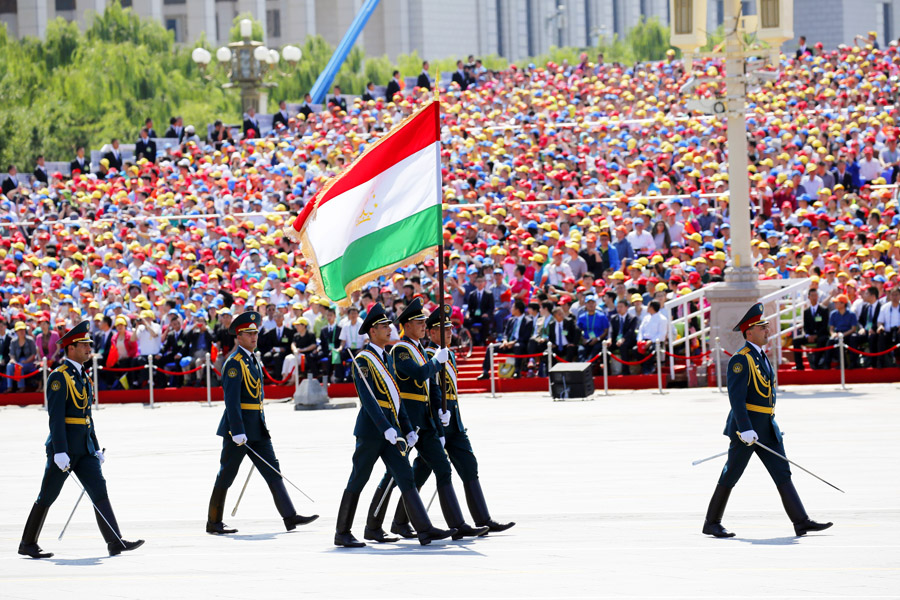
[[440, 257]]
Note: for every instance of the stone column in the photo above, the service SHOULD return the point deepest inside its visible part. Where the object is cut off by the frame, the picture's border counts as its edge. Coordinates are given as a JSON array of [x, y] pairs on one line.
[[33, 17], [201, 18]]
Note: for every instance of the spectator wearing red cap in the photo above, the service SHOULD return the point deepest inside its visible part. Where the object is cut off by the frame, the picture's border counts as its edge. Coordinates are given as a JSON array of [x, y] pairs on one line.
[[842, 321]]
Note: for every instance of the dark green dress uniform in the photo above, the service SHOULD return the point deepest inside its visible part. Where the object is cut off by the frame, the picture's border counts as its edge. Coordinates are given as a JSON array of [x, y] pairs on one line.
[[70, 394], [242, 382], [457, 444], [374, 376], [751, 393], [415, 377]]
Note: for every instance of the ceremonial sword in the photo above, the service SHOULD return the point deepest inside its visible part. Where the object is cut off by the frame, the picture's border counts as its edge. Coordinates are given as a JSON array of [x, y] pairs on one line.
[[764, 447], [274, 469], [72, 514], [244, 489], [78, 483]]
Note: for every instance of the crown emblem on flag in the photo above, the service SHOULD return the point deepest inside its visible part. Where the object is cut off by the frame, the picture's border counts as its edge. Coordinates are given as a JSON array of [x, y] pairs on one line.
[[366, 216]]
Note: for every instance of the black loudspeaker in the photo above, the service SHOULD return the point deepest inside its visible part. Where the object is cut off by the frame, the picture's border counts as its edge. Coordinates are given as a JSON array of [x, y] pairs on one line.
[[571, 380]]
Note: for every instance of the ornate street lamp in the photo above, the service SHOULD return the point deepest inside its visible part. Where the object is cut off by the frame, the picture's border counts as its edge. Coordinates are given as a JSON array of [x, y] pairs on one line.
[[249, 62]]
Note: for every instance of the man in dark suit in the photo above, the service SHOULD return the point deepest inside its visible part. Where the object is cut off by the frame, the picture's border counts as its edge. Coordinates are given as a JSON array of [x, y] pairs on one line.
[[868, 324], [175, 347], [802, 48], [176, 129], [424, 80], [842, 175], [145, 147], [114, 156], [244, 424], [751, 393], [564, 335], [276, 344], [336, 100], [623, 333], [148, 125], [460, 76], [199, 341], [393, 87], [102, 347], [40, 170], [306, 108], [73, 447], [516, 332], [251, 124], [281, 116], [815, 332], [369, 94], [480, 312], [11, 181], [329, 346], [80, 164]]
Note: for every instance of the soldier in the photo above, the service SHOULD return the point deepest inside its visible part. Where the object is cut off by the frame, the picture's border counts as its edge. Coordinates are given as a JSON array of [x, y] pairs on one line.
[[73, 446], [382, 417], [244, 422], [751, 391], [414, 373], [455, 440]]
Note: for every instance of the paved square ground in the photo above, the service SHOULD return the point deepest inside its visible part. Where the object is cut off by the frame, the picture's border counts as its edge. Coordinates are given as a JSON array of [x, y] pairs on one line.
[[604, 494]]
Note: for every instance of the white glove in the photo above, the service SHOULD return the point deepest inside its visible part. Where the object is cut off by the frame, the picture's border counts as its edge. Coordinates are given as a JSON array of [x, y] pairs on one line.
[[411, 438], [390, 435], [442, 355], [749, 436], [445, 417], [239, 439], [443, 441], [62, 460], [100, 457]]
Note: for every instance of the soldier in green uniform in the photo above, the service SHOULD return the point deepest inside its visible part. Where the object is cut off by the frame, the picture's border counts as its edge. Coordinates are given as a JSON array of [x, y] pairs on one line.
[[455, 440], [73, 446], [415, 371], [382, 418], [751, 392], [244, 422]]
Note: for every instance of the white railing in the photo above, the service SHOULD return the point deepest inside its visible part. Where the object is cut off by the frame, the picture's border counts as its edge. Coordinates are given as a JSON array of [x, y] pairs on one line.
[[790, 302], [682, 305]]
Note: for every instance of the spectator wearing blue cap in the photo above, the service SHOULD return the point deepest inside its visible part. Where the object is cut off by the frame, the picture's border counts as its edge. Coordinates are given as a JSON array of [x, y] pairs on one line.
[[594, 327], [199, 339]]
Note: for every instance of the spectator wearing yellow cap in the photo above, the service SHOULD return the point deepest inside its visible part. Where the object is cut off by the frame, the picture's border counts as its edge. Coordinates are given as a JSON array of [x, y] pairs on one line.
[[22, 355]]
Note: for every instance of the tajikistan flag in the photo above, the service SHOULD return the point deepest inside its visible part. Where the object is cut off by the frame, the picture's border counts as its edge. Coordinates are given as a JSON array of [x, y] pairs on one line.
[[384, 211]]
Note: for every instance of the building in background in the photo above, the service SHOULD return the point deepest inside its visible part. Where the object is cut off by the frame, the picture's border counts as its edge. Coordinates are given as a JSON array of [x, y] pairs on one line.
[[514, 29]]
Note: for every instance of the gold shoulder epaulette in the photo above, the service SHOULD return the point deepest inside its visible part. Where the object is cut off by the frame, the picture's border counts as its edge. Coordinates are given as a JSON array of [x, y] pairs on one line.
[[744, 350], [61, 368]]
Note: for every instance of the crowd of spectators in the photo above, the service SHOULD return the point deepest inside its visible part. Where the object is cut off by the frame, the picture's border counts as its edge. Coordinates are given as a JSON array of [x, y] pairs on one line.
[[579, 198]]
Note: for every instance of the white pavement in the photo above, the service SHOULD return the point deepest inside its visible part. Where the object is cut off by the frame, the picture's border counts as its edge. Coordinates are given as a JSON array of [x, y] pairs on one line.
[[604, 494]]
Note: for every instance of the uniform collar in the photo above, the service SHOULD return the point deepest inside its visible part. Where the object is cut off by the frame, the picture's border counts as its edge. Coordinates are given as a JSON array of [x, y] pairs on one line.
[[78, 368]]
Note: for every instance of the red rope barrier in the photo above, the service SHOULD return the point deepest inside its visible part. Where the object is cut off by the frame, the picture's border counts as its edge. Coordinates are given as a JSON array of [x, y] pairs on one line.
[[176, 373], [628, 362], [121, 369], [539, 355], [218, 373], [695, 357], [873, 353], [20, 377], [278, 381], [809, 350]]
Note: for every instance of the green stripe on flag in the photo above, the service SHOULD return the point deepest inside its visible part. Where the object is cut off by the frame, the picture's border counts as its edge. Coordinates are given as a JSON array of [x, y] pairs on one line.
[[381, 248]]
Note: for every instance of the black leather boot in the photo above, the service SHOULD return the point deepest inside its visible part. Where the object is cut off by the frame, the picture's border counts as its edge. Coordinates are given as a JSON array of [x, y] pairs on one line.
[[713, 524], [286, 507], [106, 520], [214, 522], [795, 511], [29, 546], [478, 507], [400, 525], [454, 517], [342, 535], [427, 533], [375, 517]]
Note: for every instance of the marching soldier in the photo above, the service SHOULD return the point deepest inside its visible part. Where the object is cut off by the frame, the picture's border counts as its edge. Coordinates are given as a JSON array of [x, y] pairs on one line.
[[73, 447], [414, 373], [751, 391], [244, 423], [382, 418], [456, 441]]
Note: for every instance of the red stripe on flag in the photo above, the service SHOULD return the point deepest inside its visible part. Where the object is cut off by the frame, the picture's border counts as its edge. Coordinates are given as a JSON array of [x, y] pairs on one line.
[[419, 131]]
